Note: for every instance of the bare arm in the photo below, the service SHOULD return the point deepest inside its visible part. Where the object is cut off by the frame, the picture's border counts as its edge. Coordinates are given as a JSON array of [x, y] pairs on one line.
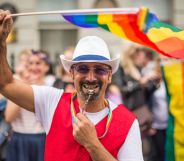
[[11, 111], [16, 91]]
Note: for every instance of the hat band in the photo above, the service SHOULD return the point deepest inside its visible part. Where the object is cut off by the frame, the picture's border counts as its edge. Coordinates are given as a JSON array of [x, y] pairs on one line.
[[90, 57]]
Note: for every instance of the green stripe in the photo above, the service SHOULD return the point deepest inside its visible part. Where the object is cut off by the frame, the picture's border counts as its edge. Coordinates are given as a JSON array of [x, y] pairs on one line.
[[159, 24], [170, 150], [92, 19], [105, 27]]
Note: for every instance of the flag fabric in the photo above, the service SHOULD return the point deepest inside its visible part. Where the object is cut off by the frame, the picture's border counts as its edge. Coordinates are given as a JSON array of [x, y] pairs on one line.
[[174, 80], [137, 25]]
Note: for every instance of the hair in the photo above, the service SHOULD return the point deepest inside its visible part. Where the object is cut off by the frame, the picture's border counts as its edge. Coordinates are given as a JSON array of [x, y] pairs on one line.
[[60, 71], [148, 53], [26, 52], [127, 61], [43, 55]]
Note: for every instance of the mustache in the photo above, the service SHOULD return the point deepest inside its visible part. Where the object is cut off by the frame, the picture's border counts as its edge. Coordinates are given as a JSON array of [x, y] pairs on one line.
[[91, 82]]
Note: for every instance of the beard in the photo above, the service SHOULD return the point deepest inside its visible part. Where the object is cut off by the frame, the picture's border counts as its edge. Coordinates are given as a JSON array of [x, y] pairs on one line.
[[95, 86]]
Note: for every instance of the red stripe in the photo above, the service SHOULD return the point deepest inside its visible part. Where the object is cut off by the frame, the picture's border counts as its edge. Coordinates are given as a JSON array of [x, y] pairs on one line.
[[127, 23], [140, 33]]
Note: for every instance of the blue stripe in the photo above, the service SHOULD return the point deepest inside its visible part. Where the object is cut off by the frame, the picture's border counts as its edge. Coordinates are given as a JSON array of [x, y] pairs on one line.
[[90, 57]]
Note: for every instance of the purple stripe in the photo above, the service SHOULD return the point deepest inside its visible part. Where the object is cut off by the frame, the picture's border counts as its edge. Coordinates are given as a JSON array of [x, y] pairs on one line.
[[90, 57], [79, 20]]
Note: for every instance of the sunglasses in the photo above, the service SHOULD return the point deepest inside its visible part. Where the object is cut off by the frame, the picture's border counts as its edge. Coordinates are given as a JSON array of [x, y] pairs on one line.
[[98, 70]]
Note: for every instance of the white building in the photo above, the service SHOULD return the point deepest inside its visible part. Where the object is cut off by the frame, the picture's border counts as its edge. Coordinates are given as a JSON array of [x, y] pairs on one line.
[[52, 33]]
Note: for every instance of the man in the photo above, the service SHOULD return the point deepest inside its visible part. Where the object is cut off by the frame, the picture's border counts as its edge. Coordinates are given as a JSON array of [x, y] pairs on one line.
[[82, 126]]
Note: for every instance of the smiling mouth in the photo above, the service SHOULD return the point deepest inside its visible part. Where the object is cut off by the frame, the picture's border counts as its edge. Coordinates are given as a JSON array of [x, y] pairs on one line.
[[87, 87]]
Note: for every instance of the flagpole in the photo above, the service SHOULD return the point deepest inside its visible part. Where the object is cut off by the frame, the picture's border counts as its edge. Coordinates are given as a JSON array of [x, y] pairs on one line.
[[89, 11]]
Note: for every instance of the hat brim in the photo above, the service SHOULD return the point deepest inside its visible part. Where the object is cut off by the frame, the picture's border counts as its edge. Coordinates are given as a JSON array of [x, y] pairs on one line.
[[114, 63]]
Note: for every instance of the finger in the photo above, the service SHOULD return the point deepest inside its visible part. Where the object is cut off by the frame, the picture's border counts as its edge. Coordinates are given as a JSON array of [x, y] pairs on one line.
[[7, 12], [82, 117], [76, 130], [2, 15], [7, 24]]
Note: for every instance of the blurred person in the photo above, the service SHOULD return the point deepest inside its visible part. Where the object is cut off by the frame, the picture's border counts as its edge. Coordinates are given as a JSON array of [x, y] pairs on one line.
[[159, 108], [39, 65], [113, 93], [4, 129], [22, 62], [28, 139], [43, 69], [49, 77], [83, 125], [64, 80], [136, 89]]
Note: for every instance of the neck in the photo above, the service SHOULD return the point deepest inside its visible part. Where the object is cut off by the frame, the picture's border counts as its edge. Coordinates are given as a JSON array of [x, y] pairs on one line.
[[92, 106]]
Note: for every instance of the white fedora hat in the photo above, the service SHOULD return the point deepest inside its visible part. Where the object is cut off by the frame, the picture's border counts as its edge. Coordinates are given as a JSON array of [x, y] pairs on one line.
[[91, 49]]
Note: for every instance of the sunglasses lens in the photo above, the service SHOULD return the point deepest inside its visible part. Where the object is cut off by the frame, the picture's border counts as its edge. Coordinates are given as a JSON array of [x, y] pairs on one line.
[[101, 70], [83, 69]]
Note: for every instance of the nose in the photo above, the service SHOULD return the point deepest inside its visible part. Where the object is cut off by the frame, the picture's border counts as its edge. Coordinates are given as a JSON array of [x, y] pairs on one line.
[[90, 76]]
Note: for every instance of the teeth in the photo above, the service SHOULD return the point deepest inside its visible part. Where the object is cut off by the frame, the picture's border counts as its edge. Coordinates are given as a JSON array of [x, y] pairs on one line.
[[90, 86]]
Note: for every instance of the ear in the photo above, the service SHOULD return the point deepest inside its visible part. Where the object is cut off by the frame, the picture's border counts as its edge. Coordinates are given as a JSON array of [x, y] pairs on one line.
[[110, 77], [72, 74]]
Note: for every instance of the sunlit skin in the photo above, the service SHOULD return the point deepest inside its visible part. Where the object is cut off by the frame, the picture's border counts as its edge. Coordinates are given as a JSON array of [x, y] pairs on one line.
[[97, 104], [37, 68]]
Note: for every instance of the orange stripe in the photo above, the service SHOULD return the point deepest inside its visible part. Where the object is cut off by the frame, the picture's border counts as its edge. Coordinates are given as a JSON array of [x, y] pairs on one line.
[[177, 54], [132, 31], [123, 22], [171, 44]]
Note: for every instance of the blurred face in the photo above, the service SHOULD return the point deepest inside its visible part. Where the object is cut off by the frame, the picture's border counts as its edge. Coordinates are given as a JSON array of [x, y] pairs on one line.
[[91, 76], [23, 60], [37, 67], [140, 59]]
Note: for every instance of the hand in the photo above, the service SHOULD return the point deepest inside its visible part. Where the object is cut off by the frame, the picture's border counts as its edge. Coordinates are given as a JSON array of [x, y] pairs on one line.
[[149, 77], [84, 131], [6, 24]]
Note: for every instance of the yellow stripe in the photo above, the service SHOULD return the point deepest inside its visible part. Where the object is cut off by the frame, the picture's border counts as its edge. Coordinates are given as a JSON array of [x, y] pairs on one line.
[[162, 33], [142, 17], [105, 18], [117, 30], [174, 77], [113, 27]]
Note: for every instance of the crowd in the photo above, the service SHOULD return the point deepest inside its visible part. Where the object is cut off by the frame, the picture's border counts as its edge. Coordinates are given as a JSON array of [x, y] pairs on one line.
[[137, 84]]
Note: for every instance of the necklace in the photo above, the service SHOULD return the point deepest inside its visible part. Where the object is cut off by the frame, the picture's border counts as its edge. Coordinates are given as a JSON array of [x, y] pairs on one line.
[[73, 114]]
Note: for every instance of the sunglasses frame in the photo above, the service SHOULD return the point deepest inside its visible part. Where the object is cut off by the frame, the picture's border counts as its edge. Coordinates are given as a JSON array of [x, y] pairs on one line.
[[105, 69]]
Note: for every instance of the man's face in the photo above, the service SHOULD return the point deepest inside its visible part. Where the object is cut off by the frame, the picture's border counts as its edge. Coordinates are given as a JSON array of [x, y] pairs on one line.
[[91, 76]]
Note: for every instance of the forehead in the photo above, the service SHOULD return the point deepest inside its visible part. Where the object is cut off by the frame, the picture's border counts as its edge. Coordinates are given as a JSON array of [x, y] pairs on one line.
[[35, 58]]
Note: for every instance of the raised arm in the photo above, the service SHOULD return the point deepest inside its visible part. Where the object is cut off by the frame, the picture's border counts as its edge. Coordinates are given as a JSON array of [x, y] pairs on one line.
[[17, 91]]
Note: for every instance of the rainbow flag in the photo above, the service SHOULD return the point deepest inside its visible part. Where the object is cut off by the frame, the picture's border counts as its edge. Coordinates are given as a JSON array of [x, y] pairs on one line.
[[174, 79], [137, 25]]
